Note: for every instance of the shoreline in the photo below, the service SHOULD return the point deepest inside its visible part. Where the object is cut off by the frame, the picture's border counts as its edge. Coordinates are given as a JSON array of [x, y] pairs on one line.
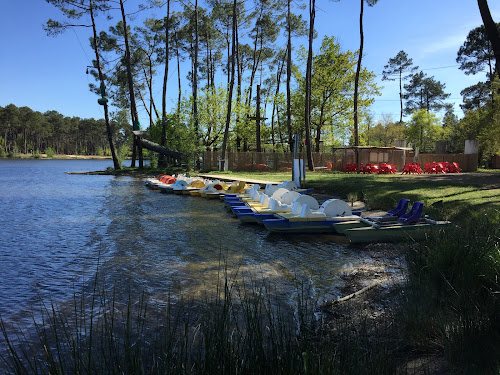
[[59, 156]]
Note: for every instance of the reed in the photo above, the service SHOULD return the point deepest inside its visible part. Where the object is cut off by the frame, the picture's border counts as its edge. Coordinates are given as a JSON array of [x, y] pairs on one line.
[[237, 329], [452, 300]]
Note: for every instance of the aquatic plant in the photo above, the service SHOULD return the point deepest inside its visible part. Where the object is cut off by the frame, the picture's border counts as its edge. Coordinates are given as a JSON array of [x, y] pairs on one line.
[[243, 329]]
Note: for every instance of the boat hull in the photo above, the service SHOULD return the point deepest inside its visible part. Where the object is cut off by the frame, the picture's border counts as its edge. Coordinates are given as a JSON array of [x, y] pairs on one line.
[[286, 226], [394, 233]]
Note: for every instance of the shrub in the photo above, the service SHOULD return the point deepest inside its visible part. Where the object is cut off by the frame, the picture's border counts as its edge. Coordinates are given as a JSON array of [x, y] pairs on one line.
[[50, 152]]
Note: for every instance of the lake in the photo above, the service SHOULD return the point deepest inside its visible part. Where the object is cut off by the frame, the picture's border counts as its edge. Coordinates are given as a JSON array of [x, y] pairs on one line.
[[58, 228]]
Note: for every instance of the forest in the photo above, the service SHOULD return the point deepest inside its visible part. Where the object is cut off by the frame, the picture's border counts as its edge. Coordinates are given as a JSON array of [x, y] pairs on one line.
[[252, 86]]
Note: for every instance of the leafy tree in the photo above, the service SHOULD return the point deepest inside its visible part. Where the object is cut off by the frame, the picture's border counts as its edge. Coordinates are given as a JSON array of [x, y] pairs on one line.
[[295, 26], [423, 130], [474, 56], [9, 125], [424, 92], [384, 133], [332, 84], [399, 67], [76, 10], [491, 31], [476, 96], [483, 124], [450, 126], [231, 87]]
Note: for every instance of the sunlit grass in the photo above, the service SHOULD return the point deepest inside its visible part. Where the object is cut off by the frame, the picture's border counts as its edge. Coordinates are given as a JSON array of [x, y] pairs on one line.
[[451, 198]]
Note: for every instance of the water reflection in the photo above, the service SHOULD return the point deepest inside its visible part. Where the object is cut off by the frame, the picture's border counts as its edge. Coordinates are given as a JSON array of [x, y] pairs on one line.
[[55, 227], [165, 242]]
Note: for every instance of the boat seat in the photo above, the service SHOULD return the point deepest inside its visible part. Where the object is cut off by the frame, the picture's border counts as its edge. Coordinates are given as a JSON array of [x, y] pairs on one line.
[[400, 208], [413, 215]]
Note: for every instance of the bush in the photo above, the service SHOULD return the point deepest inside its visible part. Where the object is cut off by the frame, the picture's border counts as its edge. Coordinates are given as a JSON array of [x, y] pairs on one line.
[[99, 151], [122, 153], [50, 152]]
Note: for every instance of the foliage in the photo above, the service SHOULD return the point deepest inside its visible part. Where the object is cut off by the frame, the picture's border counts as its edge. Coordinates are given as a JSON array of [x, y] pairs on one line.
[[476, 96], [383, 134], [399, 68], [30, 131], [178, 136], [123, 153], [235, 329], [482, 124], [332, 84], [424, 92], [50, 152], [2, 147], [475, 56], [423, 130]]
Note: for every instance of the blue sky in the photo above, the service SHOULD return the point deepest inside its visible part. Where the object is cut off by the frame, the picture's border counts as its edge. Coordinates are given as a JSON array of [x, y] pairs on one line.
[[46, 73]]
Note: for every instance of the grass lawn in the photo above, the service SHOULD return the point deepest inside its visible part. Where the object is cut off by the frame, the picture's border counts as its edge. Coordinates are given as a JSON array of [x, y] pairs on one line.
[[452, 195]]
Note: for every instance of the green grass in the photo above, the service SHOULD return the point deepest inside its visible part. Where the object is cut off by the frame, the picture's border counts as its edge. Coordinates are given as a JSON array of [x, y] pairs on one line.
[[453, 199]]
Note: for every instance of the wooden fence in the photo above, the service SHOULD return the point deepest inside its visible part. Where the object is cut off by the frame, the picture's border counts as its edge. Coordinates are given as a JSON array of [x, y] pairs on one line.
[[282, 161], [467, 162], [495, 162], [259, 161]]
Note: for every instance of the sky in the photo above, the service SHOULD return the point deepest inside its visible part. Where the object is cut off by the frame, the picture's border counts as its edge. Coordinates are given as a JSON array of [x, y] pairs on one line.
[[49, 73]]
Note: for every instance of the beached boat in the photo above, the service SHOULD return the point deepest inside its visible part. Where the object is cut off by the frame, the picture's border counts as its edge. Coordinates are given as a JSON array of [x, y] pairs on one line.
[[259, 201], [212, 190], [312, 221], [395, 232], [280, 204], [159, 181], [169, 189], [391, 216], [196, 184], [412, 226]]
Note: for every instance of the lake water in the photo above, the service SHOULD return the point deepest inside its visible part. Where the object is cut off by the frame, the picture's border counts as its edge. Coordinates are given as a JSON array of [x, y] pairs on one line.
[[56, 228]]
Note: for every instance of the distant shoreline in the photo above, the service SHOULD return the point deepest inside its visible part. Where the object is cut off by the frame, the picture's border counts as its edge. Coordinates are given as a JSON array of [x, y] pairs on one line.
[[59, 156]]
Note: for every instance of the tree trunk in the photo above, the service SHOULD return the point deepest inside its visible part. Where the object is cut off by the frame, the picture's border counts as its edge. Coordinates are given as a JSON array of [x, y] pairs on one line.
[[401, 95], [160, 149], [133, 107], [163, 139], [195, 76], [278, 83], [179, 97], [491, 31], [257, 122], [231, 86], [288, 79], [356, 81], [116, 163], [307, 117], [238, 88]]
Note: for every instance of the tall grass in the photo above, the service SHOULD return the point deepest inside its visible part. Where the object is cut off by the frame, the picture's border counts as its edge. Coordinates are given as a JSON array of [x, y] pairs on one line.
[[452, 302], [237, 329]]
